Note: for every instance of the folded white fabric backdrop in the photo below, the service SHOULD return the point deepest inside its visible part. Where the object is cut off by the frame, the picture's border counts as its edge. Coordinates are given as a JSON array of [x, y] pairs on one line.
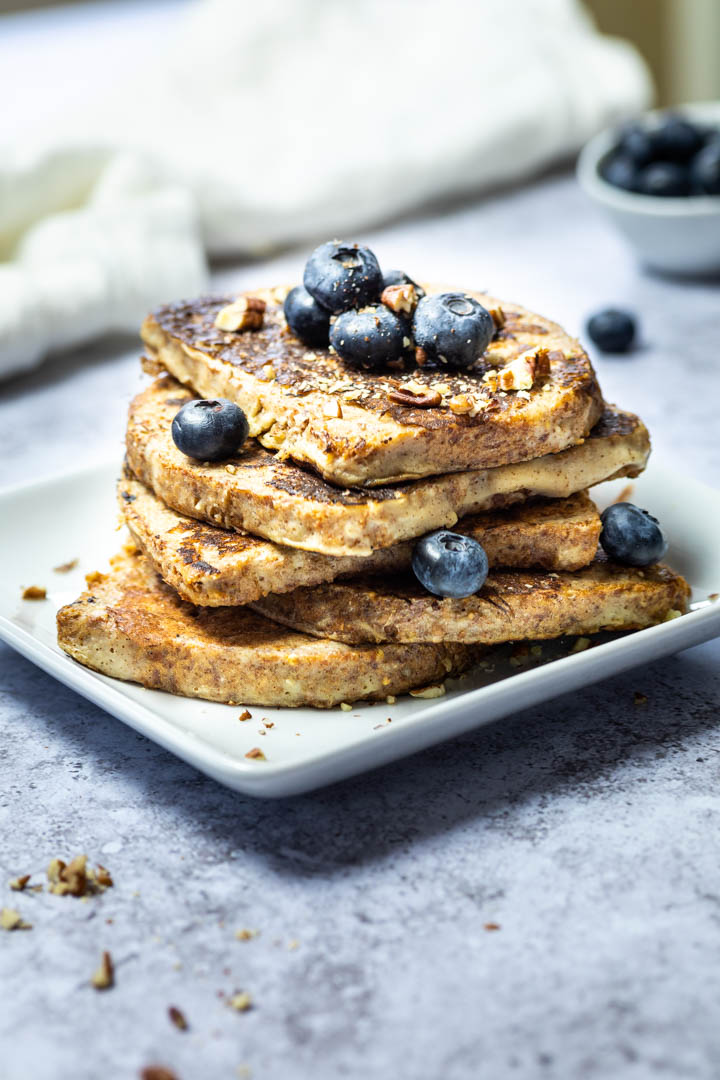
[[262, 125]]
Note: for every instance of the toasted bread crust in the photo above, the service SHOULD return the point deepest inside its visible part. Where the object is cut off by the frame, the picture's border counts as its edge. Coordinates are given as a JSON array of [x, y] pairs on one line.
[[256, 493], [286, 388], [511, 606], [132, 626], [212, 566]]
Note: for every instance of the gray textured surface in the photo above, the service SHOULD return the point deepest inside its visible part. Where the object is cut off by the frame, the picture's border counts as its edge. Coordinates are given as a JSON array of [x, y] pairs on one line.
[[587, 829]]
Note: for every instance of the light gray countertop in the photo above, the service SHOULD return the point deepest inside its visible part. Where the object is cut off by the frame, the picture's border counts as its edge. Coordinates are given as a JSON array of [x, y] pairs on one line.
[[588, 829]]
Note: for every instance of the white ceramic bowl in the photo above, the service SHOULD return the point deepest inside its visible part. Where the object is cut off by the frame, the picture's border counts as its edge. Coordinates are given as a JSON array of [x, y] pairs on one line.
[[678, 235]]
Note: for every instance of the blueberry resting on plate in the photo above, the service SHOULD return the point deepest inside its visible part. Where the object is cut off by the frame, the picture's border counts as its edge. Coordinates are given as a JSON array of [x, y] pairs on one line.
[[675, 139], [705, 169], [452, 329], [449, 564], [620, 171], [631, 535], [399, 277], [369, 338], [305, 317], [209, 430], [612, 330], [665, 179], [343, 276]]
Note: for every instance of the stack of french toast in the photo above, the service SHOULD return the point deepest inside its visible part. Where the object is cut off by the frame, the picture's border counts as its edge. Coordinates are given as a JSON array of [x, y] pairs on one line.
[[350, 489]]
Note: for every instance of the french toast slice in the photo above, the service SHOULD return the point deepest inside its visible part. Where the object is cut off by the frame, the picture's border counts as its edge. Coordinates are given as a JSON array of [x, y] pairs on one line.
[[208, 565], [131, 625], [511, 606], [255, 492], [360, 429]]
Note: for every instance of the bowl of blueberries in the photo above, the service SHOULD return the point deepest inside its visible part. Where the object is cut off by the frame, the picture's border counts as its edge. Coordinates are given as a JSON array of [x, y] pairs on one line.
[[658, 178]]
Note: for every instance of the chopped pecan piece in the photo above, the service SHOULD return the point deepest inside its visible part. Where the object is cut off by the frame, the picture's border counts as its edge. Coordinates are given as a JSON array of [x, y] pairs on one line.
[[245, 313], [521, 373], [498, 317], [402, 299], [34, 592], [157, 1072], [240, 1002], [18, 884], [66, 567], [104, 977], [420, 398], [256, 753], [177, 1018], [10, 919]]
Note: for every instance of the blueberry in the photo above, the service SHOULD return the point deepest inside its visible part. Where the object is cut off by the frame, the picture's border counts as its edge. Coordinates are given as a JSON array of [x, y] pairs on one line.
[[305, 317], [675, 139], [452, 329], [631, 535], [399, 277], [343, 276], [611, 330], [664, 178], [636, 144], [368, 338], [209, 430], [620, 171], [705, 169], [448, 564]]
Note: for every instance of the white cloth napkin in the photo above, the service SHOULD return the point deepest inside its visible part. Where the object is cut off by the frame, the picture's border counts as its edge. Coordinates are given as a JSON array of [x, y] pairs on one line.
[[263, 125]]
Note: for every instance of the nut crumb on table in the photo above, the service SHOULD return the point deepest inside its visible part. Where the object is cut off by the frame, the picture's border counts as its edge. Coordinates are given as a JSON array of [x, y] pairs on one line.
[[104, 977], [10, 919], [177, 1017]]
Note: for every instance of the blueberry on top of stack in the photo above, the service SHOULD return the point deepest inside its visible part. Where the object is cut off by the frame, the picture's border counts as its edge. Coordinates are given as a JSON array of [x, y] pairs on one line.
[[675, 157], [371, 320]]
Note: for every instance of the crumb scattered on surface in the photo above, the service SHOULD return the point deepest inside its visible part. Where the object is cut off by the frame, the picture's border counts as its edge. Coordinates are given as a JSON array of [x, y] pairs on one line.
[[390, 699], [10, 919], [246, 935], [429, 691], [581, 645], [268, 723], [76, 878], [18, 884], [66, 567], [639, 699], [256, 754], [345, 707], [241, 1002], [245, 715], [157, 1072], [492, 926], [673, 613], [177, 1018], [34, 592], [104, 977]]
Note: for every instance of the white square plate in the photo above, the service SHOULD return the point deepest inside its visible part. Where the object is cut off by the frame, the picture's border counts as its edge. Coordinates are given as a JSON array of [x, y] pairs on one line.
[[72, 517]]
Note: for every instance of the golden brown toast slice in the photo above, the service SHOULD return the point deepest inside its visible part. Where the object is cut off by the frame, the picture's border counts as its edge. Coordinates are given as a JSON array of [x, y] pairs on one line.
[[131, 625], [360, 429], [213, 566], [511, 606], [256, 493]]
